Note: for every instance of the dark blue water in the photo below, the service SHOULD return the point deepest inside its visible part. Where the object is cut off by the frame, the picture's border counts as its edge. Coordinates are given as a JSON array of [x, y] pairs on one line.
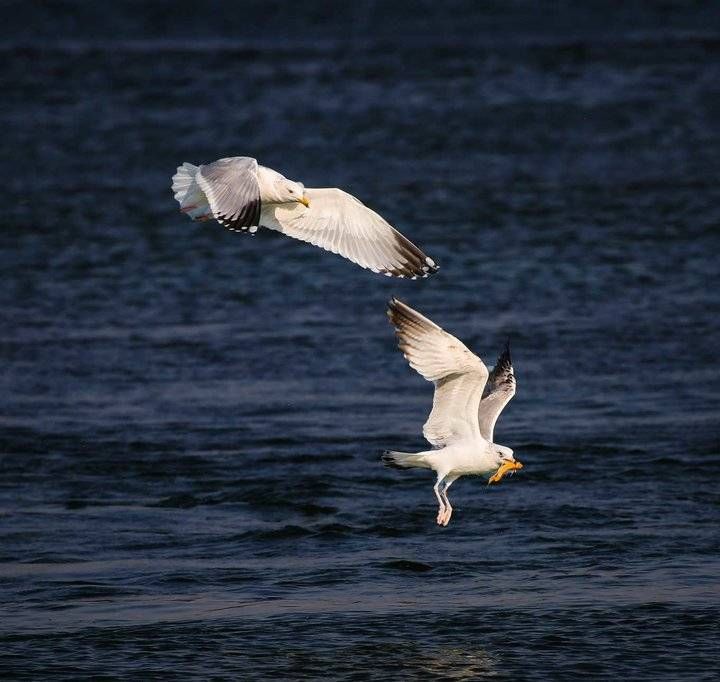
[[191, 419]]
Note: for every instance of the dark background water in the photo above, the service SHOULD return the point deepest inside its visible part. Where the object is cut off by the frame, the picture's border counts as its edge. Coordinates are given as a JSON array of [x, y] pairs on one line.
[[191, 419]]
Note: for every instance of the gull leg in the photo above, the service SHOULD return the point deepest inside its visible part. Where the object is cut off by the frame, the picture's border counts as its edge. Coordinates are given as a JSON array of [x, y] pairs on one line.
[[448, 506], [441, 508]]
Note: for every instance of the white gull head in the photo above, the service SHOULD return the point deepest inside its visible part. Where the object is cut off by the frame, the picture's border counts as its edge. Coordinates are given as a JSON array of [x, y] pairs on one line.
[[277, 189], [505, 454]]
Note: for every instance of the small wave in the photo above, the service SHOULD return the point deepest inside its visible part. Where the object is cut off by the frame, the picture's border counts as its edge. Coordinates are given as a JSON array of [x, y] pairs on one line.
[[181, 501], [335, 530], [407, 565], [287, 532]]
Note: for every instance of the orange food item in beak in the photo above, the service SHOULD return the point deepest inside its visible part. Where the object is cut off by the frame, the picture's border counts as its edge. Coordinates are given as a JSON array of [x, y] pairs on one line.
[[505, 468]]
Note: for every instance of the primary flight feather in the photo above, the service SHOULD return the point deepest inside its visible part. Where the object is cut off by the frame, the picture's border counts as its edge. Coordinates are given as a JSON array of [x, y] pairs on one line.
[[243, 195]]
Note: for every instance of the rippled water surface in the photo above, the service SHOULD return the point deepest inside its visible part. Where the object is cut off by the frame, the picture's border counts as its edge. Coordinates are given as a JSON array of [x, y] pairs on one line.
[[191, 419]]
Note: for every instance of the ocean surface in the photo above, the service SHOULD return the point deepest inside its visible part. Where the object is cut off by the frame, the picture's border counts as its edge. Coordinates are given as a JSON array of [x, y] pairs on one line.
[[191, 419]]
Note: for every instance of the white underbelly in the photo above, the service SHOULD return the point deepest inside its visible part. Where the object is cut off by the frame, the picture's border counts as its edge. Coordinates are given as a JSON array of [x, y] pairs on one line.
[[466, 459]]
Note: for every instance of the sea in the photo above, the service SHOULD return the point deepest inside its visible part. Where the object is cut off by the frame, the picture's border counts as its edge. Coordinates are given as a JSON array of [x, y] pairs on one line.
[[191, 420]]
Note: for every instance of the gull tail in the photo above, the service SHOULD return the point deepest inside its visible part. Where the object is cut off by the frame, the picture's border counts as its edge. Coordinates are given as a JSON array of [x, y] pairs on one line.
[[404, 460], [188, 194]]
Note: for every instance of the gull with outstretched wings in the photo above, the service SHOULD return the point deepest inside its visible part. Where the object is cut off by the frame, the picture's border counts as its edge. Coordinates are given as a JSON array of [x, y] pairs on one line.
[[243, 195], [467, 402]]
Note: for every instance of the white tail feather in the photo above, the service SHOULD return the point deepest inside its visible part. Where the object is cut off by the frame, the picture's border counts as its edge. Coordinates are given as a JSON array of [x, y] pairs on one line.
[[188, 194], [404, 460]]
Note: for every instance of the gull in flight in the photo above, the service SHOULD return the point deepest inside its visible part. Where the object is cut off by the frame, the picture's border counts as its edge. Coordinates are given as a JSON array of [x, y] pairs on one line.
[[467, 402], [242, 195]]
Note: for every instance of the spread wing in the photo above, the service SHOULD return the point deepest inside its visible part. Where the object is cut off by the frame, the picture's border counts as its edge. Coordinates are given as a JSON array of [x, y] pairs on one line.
[[499, 390], [337, 222], [232, 190], [459, 375]]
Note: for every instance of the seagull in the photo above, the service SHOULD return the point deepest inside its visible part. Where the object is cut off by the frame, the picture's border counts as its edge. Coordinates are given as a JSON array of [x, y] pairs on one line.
[[467, 402], [242, 196]]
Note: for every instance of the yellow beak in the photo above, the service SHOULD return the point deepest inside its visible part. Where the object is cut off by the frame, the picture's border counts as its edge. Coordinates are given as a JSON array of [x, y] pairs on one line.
[[304, 201], [505, 468]]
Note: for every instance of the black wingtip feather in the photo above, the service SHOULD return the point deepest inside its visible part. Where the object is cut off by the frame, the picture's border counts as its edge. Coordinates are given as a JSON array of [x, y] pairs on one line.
[[504, 361], [400, 312], [416, 264], [393, 306]]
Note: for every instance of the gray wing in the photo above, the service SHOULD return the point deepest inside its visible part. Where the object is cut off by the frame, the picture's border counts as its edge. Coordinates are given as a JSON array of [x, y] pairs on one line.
[[499, 390], [232, 190], [458, 374], [338, 222]]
